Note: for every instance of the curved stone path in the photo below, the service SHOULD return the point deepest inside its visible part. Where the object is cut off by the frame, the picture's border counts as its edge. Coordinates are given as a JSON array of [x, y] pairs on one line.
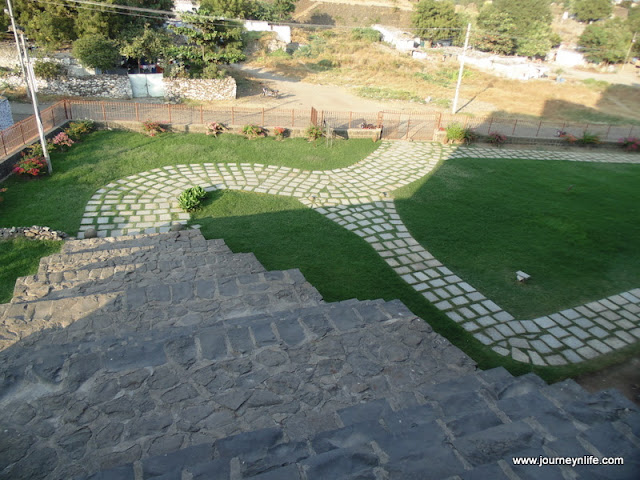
[[357, 198]]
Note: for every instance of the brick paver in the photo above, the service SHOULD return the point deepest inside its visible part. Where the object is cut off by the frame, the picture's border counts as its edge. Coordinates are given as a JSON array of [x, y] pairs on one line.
[[358, 198]]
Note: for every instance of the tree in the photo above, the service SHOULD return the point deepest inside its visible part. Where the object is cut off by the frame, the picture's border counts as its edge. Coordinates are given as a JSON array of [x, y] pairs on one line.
[[521, 27], [497, 33], [96, 51], [208, 41], [150, 44], [606, 42], [435, 20], [228, 8], [592, 10], [53, 24]]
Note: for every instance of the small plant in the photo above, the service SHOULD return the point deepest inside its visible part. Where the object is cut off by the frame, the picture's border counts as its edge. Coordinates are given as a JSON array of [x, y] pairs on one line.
[[460, 134], [630, 144], [589, 139], [570, 139], [214, 128], [76, 130], [280, 133], [31, 167], [254, 131], [313, 133], [367, 126], [153, 128], [497, 139], [47, 70], [190, 199], [62, 141]]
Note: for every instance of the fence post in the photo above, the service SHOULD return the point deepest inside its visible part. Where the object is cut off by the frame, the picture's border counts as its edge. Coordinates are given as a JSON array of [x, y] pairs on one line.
[[515, 124], [53, 117], [380, 118], [538, 132], [137, 112], [439, 121], [350, 116], [293, 118], [630, 130], [201, 115], [466, 122], [233, 118], [22, 133], [169, 109], [322, 117], [607, 135], [70, 112], [4, 145], [408, 127], [66, 115], [490, 123], [262, 122], [104, 112]]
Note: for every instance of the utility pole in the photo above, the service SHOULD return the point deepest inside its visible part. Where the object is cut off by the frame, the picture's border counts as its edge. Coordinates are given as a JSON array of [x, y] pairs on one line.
[[464, 52], [31, 83], [626, 58], [15, 36]]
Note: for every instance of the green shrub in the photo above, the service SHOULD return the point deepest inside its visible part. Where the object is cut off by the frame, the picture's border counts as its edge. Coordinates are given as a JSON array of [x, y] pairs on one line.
[[48, 70], [254, 131], [31, 167], [153, 128], [589, 139], [213, 71], [367, 34], [458, 133], [313, 133], [191, 198], [76, 130]]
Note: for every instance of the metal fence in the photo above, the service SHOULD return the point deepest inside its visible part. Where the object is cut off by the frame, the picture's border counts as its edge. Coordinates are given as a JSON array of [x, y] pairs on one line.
[[25, 132], [395, 125]]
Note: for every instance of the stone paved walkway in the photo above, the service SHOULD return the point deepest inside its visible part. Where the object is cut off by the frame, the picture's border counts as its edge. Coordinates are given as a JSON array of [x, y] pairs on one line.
[[357, 197]]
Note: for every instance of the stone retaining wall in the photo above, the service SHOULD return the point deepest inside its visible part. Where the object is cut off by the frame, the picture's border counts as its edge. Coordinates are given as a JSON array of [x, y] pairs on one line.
[[196, 89], [108, 86], [35, 232]]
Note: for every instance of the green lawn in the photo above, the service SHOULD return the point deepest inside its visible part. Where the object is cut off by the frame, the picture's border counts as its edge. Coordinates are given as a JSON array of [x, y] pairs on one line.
[[105, 156], [574, 227], [59, 201], [284, 234]]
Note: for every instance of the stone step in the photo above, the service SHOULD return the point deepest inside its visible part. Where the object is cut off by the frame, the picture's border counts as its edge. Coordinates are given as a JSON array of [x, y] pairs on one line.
[[134, 398], [376, 441], [63, 262], [190, 237], [167, 268], [160, 305]]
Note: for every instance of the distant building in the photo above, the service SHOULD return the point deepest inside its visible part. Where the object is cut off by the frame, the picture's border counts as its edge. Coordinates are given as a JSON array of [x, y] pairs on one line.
[[567, 57], [185, 5], [403, 41]]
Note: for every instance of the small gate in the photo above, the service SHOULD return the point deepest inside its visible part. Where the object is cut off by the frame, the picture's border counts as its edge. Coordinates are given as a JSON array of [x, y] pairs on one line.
[[146, 85], [409, 125]]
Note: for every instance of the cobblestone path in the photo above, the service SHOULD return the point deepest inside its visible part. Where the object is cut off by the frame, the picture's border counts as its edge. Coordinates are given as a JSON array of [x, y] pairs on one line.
[[356, 197]]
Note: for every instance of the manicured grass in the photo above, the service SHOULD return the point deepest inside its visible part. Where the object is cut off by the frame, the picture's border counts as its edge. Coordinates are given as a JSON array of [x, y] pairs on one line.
[[103, 157], [572, 226], [20, 257], [283, 234]]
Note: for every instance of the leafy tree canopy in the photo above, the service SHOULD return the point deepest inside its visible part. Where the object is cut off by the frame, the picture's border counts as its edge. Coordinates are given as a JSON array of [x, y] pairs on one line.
[[150, 44], [522, 27], [606, 42], [52, 25], [592, 10], [228, 8], [208, 41], [96, 51], [436, 20]]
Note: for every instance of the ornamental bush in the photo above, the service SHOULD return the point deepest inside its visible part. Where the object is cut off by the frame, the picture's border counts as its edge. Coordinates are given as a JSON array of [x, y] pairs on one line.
[[191, 198], [214, 128], [76, 130], [497, 139], [630, 144], [313, 133], [31, 167], [153, 128], [254, 131], [280, 132], [62, 141]]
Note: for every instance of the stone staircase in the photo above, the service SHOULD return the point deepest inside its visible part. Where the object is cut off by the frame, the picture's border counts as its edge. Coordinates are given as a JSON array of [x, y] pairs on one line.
[[170, 357]]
